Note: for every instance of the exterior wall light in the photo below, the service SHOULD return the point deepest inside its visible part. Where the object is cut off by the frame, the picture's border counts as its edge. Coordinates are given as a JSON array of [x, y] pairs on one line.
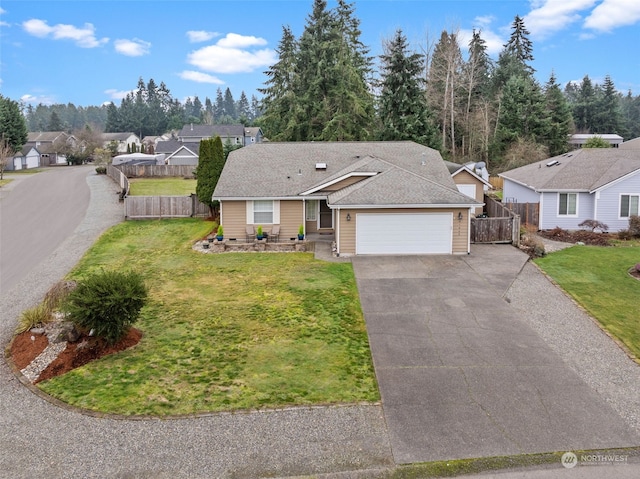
[[348, 217]]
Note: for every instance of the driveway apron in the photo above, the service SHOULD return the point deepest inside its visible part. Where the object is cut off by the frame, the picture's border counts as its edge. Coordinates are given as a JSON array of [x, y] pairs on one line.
[[460, 374]]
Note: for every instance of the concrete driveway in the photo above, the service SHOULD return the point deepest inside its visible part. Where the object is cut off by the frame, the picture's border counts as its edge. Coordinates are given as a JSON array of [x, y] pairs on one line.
[[461, 374]]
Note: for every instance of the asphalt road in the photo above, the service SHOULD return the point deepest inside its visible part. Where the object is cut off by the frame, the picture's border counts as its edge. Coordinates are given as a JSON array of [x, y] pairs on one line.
[[36, 215]]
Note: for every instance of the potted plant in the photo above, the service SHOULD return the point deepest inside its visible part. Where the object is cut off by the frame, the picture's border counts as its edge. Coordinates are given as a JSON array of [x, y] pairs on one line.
[[220, 234], [259, 233], [301, 232]]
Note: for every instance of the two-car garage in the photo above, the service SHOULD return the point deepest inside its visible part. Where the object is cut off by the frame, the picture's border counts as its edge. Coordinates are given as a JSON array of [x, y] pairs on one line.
[[404, 233]]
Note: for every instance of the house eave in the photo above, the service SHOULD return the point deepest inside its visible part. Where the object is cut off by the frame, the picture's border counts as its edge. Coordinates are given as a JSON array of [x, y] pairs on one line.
[[412, 206]]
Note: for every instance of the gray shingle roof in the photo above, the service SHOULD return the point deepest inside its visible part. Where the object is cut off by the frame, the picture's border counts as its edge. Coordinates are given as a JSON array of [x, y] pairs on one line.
[[168, 146], [409, 173], [120, 136], [630, 145], [44, 136], [580, 170], [211, 131]]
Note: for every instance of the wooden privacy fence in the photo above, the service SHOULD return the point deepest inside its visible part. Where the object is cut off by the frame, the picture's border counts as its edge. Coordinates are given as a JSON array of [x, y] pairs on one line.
[[497, 182], [120, 178], [529, 212], [501, 226], [145, 171], [156, 207]]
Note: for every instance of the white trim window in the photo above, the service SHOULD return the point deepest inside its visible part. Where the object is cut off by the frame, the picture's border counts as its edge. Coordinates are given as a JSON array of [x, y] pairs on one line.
[[567, 204], [263, 212], [629, 205], [311, 210]]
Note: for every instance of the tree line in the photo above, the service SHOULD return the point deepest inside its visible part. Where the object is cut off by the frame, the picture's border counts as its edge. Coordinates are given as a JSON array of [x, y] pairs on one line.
[[324, 87], [148, 110]]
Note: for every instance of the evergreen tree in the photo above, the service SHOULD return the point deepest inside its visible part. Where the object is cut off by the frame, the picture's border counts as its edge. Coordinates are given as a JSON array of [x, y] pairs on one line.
[[515, 56], [630, 107], [584, 109], [54, 123], [243, 110], [218, 109], [13, 126], [280, 100], [210, 164], [402, 106], [560, 120], [229, 106], [608, 117]]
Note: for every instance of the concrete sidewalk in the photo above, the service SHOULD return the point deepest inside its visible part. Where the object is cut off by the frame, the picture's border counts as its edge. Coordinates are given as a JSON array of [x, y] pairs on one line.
[[461, 374]]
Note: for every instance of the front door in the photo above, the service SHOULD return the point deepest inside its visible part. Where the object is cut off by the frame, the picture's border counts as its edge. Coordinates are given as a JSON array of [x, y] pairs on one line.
[[326, 215]]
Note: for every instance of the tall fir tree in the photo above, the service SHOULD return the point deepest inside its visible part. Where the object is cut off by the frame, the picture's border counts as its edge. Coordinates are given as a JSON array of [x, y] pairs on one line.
[[402, 107], [280, 100], [55, 124], [609, 116], [560, 120], [584, 108]]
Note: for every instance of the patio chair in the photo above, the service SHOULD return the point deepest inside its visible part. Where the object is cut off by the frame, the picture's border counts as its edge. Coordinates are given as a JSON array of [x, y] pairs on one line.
[[274, 235], [250, 234]]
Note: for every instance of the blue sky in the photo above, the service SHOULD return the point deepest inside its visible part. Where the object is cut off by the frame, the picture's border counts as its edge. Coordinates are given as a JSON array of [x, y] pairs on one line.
[[91, 52]]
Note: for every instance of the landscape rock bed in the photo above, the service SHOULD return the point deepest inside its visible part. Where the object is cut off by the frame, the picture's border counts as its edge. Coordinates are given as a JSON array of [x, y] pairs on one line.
[[580, 236]]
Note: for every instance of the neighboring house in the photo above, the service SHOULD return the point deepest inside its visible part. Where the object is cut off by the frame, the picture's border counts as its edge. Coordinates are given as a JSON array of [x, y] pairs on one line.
[[234, 134], [122, 140], [184, 154], [29, 157], [469, 180], [50, 144], [630, 145], [375, 197], [601, 184], [579, 139]]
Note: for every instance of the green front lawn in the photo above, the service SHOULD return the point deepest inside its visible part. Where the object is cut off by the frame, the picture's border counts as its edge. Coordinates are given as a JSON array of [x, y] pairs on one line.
[[161, 186], [225, 331], [598, 279]]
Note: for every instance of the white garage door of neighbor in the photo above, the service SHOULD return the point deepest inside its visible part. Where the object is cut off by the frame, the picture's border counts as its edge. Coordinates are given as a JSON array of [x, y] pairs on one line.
[[413, 233], [469, 190]]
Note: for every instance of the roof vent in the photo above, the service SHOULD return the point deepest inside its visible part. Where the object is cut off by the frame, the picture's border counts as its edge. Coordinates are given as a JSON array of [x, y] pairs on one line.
[[321, 166], [553, 163]]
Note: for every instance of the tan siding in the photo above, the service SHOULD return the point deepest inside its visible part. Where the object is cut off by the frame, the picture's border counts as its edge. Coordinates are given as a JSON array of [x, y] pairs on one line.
[[347, 229], [291, 216], [465, 178], [234, 219]]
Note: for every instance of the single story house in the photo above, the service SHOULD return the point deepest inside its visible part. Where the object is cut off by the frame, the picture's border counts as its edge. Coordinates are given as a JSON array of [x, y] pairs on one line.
[[600, 184], [374, 197], [184, 154], [29, 157]]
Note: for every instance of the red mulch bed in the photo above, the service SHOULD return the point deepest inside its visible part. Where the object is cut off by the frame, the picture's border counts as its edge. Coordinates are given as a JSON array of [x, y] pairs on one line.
[[586, 237], [24, 350]]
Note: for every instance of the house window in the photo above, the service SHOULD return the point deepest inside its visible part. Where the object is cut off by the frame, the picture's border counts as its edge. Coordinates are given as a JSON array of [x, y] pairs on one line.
[[628, 205], [263, 212], [311, 209], [568, 204]]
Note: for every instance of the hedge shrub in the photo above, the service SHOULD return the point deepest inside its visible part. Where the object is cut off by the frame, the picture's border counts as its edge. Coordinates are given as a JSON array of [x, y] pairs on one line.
[[108, 303]]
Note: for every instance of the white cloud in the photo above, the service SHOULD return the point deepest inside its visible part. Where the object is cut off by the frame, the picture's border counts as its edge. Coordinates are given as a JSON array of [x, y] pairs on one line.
[[36, 100], [233, 40], [117, 94], [3, 23], [132, 48], [550, 16], [232, 54], [200, 77], [611, 14], [83, 37], [197, 36]]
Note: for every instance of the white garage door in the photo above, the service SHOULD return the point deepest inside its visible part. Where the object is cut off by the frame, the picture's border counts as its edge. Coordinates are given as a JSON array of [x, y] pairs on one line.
[[414, 233]]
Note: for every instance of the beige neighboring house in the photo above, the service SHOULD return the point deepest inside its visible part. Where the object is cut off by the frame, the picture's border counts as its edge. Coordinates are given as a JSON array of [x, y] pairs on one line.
[[374, 197], [121, 140], [50, 145], [469, 182]]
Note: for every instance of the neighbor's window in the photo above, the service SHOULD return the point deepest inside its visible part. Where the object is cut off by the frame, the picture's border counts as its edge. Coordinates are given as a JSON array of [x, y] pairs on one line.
[[628, 205], [311, 209], [568, 204], [262, 212]]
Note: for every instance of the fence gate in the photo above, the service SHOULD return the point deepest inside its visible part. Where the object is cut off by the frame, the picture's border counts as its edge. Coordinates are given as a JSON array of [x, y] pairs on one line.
[[495, 230]]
